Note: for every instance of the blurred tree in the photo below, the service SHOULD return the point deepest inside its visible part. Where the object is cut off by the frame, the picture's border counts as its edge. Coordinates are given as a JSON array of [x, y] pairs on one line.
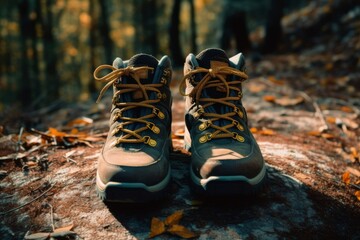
[[149, 26], [174, 35], [29, 83], [273, 28], [105, 30], [235, 27], [52, 81], [192, 27]]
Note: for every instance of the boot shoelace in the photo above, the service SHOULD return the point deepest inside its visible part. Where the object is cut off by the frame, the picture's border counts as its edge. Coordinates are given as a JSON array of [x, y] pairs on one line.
[[112, 78], [216, 78]]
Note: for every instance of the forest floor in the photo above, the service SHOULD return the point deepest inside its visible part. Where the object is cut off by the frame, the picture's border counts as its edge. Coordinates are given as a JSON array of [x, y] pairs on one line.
[[309, 141], [303, 110]]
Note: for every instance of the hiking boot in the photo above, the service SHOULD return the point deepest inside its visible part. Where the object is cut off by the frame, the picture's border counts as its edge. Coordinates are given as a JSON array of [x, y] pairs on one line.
[[134, 163], [225, 158]]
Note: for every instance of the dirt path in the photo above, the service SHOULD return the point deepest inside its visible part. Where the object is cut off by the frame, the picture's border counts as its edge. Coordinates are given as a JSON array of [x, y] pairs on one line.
[[305, 198]]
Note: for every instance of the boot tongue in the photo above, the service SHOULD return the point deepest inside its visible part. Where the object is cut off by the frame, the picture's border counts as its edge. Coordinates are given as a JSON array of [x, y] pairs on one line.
[[144, 60], [213, 58]]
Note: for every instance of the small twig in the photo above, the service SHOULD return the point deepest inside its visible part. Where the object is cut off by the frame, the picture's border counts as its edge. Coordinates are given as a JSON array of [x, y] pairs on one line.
[[318, 111], [18, 143], [25, 204], [51, 216]]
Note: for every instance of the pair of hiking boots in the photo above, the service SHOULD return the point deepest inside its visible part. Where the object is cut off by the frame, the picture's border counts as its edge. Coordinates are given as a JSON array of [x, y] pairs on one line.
[[134, 164]]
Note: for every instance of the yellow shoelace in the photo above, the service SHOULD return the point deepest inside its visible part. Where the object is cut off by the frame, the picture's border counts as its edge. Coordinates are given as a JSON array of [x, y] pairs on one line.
[[112, 79], [216, 78]]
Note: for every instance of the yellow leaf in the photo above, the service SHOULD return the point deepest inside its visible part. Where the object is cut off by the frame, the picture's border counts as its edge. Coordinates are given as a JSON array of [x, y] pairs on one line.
[[346, 178], [174, 218], [157, 227], [269, 98], [286, 101], [181, 231], [357, 194]]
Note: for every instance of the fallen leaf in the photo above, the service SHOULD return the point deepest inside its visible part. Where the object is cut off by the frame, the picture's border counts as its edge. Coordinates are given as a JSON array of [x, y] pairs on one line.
[[64, 229], [327, 136], [347, 109], [346, 178], [331, 120], [80, 122], [174, 218], [287, 101], [181, 231], [354, 153], [269, 98], [37, 236], [255, 88], [314, 133], [276, 81], [170, 225], [267, 132], [253, 130], [157, 227], [357, 194], [62, 234]]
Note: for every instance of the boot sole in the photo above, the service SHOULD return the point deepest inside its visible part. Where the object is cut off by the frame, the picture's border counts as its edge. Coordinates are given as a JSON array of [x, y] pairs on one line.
[[124, 192], [228, 185]]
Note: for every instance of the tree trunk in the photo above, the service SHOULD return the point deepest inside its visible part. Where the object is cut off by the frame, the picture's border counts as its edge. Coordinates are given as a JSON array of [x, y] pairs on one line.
[[174, 33], [235, 26], [149, 26], [105, 31], [273, 29], [52, 81], [193, 44]]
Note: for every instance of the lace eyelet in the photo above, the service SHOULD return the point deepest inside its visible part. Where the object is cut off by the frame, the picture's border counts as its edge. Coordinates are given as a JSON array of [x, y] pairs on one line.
[[158, 113], [153, 128], [238, 137], [205, 138], [149, 141], [239, 112]]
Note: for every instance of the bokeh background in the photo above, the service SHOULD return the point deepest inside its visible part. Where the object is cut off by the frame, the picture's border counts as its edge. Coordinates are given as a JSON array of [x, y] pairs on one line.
[[50, 48]]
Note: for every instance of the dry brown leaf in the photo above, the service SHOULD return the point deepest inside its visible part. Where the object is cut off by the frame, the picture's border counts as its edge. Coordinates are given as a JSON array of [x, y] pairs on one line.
[[314, 133], [80, 122], [157, 227], [174, 218], [347, 109], [181, 231], [331, 119], [354, 153], [269, 98], [64, 229], [276, 81], [286, 101], [253, 130], [327, 136], [255, 88], [357, 194], [37, 236], [267, 132], [346, 178]]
